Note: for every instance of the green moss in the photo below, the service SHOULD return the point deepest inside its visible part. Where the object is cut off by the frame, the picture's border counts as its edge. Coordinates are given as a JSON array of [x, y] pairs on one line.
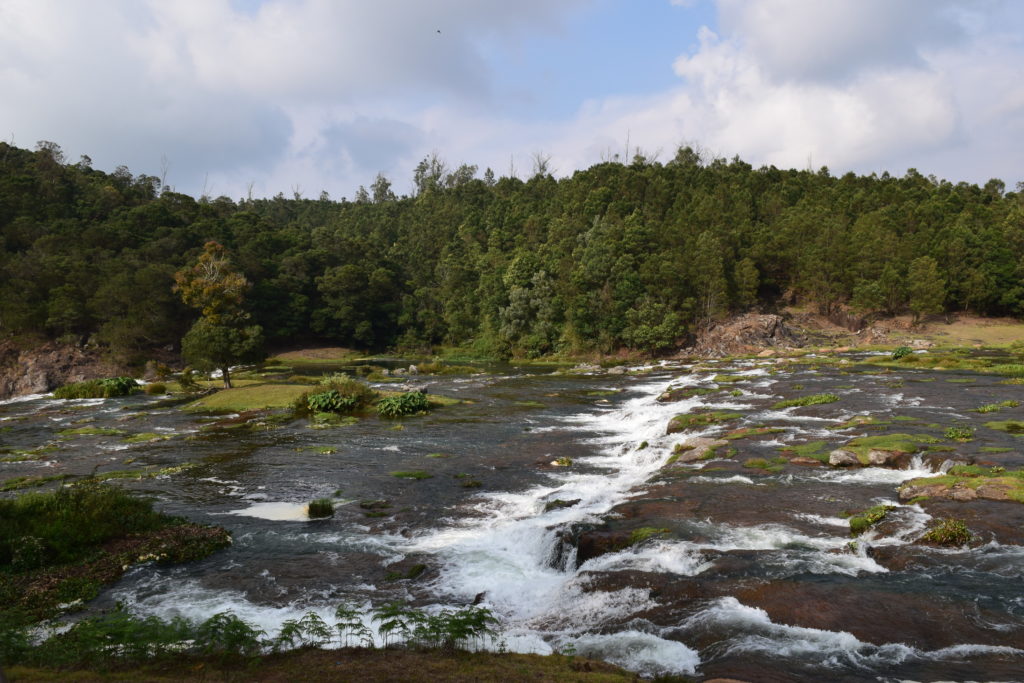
[[729, 379], [529, 404], [818, 450], [751, 431], [698, 420], [774, 465], [682, 393], [146, 437], [863, 521], [16, 483], [411, 474], [1015, 427], [897, 443], [813, 400], [995, 449], [438, 455], [859, 421], [91, 431], [643, 533]]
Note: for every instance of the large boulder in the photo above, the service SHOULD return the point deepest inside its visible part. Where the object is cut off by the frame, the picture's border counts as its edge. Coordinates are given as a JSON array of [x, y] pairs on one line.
[[44, 368], [843, 458], [750, 333]]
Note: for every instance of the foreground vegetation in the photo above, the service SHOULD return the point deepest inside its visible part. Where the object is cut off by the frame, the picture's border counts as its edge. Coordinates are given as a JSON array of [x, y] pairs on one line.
[[58, 548], [434, 646]]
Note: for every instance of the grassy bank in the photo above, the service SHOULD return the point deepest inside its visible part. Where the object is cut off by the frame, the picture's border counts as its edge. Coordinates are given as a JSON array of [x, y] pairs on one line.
[[353, 664]]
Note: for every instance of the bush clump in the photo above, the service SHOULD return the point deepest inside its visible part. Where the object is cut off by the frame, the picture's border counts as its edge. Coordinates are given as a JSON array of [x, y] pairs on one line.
[[340, 395], [321, 507], [948, 532], [409, 403], [98, 388], [156, 389], [902, 352]]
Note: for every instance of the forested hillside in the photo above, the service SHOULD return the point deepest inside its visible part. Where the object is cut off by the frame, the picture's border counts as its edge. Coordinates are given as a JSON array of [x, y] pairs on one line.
[[636, 255]]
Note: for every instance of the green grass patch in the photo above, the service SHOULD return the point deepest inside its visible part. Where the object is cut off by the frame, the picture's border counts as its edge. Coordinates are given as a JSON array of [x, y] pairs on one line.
[[264, 396], [773, 465], [818, 450], [730, 379], [996, 407], [962, 380], [898, 443], [28, 482], [1015, 427], [995, 449], [813, 400]]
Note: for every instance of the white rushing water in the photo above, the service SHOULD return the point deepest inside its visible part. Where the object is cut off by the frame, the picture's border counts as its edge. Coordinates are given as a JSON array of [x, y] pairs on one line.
[[504, 552]]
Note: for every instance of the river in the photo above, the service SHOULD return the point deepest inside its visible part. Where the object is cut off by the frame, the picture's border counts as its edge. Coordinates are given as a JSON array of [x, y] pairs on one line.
[[738, 571]]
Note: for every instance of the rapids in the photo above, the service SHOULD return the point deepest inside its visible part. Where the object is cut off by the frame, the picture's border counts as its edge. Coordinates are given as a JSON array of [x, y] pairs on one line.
[[739, 571]]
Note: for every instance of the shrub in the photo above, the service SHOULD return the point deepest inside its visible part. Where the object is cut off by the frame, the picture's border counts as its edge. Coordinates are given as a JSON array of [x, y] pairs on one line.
[[342, 394], [902, 352], [330, 402], [65, 525], [156, 388], [948, 532], [321, 507], [960, 433], [187, 380], [408, 403], [98, 388]]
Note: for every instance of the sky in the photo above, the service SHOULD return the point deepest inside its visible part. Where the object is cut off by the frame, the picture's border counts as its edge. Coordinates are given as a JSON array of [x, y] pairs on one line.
[[256, 97]]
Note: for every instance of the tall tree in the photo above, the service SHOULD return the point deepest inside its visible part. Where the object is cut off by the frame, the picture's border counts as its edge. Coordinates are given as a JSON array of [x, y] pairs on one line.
[[927, 287], [222, 336]]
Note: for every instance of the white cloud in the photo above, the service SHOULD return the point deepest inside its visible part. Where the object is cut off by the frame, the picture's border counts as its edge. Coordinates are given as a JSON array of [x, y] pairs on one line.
[[322, 94]]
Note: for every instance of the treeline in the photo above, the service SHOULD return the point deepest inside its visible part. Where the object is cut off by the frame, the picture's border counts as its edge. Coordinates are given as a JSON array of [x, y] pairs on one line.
[[637, 255]]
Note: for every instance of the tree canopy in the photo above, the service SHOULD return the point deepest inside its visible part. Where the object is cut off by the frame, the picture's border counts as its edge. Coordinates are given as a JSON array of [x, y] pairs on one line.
[[638, 255]]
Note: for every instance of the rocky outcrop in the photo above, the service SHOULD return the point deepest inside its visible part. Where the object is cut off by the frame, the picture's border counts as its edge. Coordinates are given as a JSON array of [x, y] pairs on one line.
[[44, 368], [696, 449], [748, 333], [843, 458]]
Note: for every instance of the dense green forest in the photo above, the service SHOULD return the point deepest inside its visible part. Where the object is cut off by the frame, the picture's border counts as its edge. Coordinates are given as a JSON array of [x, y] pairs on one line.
[[636, 255]]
